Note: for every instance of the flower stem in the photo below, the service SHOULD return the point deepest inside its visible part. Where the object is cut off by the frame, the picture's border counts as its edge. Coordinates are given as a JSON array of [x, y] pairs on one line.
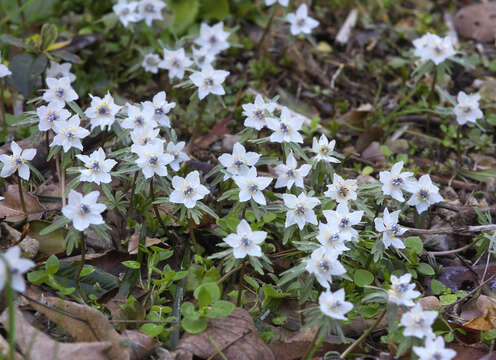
[[21, 196], [131, 199], [2, 104], [10, 297], [364, 336], [314, 345], [80, 269], [267, 29], [155, 207], [61, 173], [431, 99], [458, 144], [240, 283], [193, 240]]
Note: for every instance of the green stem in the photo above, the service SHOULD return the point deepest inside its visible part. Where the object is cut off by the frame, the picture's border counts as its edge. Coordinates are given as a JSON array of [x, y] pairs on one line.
[[155, 208], [10, 297], [21, 196], [431, 99], [458, 144], [80, 269], [240, 283], [314, 345], [364, 336], [2, 104], [193, 240], [267, 29], [131, 199]]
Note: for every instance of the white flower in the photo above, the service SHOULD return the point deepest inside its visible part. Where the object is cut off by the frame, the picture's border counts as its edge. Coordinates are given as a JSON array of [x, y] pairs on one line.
[[143, 136], [151, 62], [272, 2], [256, 113], [324, 266], [68, 133], [208, 80], [418, 322], [425, 193], [285, 129], [175, 61], [83, 210], [324, 148], [150, 10], [160, 107], [251, 186], [467, 109], [17, 161], [342, 190], [394, 181], [59, 90], [176, 150], [388, 225], [50, 113], [213, 38], [239, 162], [58, 71], [17, 266], [345, 220], [188, 190], [300, 210], [102, 111], [331, 238], [434, 48], [97, 167], [152, 159], [126, 11], [288, 174], [301, 22], [4, 71], [138, 117], [333, 304], [202, 56], [402, 292], [245, 241], [434, 349]]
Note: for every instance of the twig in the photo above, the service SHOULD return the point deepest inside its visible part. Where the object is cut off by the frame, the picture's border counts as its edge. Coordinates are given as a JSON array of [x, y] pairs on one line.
[[364, 336], [240, 284], [228, 344], [155, 208], [227, 275], [80, 269], [460, 230], [21, 195], [312, 347], [453, 251], [489, 279]]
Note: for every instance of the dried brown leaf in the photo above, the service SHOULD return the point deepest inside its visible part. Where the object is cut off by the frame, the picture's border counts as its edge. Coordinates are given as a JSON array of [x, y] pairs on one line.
[[11, 207]]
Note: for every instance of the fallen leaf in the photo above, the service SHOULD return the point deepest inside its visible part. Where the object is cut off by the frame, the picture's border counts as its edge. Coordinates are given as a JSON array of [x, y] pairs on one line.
[[29, 246], [235, 335], [218, 131], [480, 313], [36, 345], [11, 207], [52, 243], [133, 245]]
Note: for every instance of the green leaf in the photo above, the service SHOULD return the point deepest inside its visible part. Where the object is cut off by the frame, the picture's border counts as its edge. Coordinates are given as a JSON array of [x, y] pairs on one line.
[[26, 70], [214, 9], [131, 264], [9, 39], [203, 297], [52, 265], [49, 34], [447, 299], [194, 325], [212, 289], [425, 269], [188, 309], [59, 223], [37, 277], [437, 287], [185, 12], [363, 277], [220, 308], [152, 330], [414, 243]]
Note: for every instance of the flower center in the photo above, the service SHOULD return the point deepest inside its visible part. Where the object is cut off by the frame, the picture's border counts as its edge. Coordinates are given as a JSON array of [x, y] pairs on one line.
[[260, 115], [159, 111], [285, 128], [343, 191], [125, 12], [301, 22], [324, 265], [423, 195], [238, 164], [145, 140], [153, 160], [401, 288], [300, 210], [59, 92], [437, 50], [149, 8], [396, 181], [188, 191], [95, 167], [335, 306], [291, 173], [212, 40], [252, 188], [437, 356], [419, 321], [208, 82], [103, 110], [16, 162], [52, 116], [151, 61], [59, 75], [467, 109], [175, 62], [69, 133], [332, 239], [139, 121], [245, 241], [394, 230], [344, 223], [201, 59], [84, 210], [325, 150]]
